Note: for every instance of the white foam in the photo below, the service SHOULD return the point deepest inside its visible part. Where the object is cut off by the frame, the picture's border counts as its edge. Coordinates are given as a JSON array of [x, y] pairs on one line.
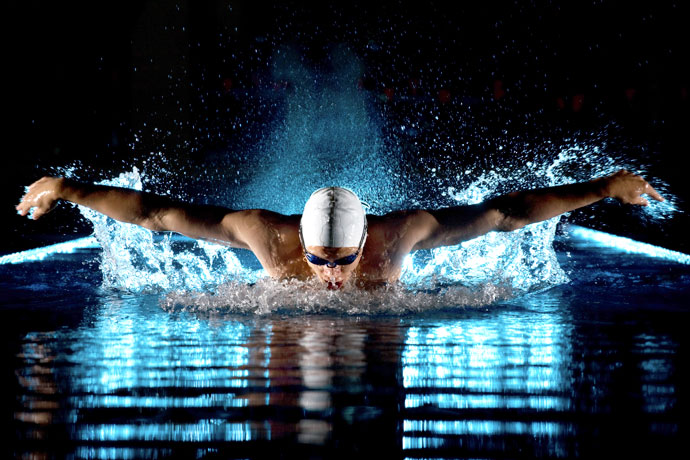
[[268, 296]]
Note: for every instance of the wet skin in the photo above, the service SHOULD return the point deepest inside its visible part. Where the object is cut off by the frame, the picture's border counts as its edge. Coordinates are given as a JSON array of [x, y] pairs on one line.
[[274, 238]]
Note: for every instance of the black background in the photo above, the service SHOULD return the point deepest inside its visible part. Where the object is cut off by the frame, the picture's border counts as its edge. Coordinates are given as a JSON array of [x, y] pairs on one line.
[[106, 83]]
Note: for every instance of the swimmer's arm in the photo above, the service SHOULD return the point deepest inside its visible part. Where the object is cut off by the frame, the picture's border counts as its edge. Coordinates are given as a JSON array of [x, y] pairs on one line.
[[450, 226], [148, 210]]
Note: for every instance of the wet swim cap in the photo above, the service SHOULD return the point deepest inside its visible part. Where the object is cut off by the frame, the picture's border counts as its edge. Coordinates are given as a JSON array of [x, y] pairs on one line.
[[333, 217]]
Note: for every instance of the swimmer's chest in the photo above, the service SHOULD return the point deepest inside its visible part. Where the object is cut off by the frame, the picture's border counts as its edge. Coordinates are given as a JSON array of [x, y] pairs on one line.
[[280, 253], [380, 262], [385, 249], [284, 263]]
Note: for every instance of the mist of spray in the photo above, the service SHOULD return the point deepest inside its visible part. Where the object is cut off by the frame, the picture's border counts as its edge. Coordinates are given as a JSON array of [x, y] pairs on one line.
[[325, 131]]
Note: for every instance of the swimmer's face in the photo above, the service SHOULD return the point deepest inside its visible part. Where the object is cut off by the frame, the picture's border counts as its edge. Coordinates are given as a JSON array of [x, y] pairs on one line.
[[334, 277]]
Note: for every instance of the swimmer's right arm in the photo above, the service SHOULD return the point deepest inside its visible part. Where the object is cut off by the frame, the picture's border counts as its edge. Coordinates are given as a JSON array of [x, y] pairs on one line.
[[450, 226], [148, 210]]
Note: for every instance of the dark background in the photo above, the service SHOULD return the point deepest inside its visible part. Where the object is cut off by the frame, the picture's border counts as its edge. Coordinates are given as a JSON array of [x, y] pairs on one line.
[[106, 85]]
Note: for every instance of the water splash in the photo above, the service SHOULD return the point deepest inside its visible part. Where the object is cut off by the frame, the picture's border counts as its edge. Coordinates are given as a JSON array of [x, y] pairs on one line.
[[324, 131], [525, 260], [201, 276], [268, 296], [134, 260]]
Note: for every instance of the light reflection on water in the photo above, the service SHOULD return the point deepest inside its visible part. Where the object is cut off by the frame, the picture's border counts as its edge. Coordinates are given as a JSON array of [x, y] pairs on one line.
[[544, 375], [515, 366], [203, 430]]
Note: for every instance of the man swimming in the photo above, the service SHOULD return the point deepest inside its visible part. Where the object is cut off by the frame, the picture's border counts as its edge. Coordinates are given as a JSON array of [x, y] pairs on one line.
[[334, 240]]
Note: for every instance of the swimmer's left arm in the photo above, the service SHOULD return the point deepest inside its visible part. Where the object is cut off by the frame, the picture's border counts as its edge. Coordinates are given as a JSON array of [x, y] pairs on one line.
[[238, 229], [450, 226]]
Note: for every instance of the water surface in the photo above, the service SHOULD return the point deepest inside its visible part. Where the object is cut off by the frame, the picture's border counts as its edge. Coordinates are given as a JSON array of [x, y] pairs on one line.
[[589, 367]]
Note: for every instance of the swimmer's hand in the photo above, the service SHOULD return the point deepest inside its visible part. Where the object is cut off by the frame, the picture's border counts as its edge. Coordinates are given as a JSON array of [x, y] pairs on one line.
[[42, 196], [628, 188]]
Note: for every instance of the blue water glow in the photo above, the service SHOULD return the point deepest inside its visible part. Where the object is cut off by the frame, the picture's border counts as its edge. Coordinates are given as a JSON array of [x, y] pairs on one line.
[[119, 453], [486, 401], [203, 430], [482, 427], [629, 245], [39, 254]]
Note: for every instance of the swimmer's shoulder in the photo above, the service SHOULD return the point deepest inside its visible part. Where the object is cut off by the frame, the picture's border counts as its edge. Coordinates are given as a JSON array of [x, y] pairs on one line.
[[398, 232], [259, 228], [282, 229], [395, 221], [263, 217]]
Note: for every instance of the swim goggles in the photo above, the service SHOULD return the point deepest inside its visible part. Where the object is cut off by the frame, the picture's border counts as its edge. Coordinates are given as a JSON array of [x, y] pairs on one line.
[[347, 260]]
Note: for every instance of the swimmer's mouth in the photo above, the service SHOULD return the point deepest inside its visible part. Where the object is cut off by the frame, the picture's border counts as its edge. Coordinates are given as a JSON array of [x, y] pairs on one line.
[[335, 285]]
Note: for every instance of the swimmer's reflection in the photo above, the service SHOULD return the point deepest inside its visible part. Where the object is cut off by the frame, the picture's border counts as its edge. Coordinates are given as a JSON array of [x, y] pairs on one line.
[[37, 409], [316, 382], [338, 373], [38, 379]]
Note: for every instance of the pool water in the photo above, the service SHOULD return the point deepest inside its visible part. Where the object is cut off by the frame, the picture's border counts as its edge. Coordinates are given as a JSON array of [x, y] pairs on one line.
[[588, 368]]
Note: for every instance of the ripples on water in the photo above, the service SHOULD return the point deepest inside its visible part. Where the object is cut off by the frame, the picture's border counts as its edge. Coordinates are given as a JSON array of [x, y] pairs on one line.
[[545, 375], [188, 350], [160, 347]]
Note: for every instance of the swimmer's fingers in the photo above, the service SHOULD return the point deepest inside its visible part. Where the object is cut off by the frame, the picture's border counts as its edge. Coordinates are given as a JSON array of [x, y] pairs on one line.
[[30, 193], [25, 203], [629, 188], [640, 201], [40, 196], [26, 206], [649, 190], [38, 212], [646, 190], [22, 210]]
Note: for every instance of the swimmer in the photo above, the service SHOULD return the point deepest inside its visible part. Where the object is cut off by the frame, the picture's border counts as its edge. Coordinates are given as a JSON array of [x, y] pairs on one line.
[[334, 240]]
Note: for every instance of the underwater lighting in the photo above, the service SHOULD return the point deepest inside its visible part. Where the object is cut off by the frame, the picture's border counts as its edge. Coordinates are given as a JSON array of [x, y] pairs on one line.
[[628, 245], [38, 254]]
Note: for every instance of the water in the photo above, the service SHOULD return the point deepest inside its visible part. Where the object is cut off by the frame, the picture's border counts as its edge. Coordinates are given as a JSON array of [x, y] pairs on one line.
[[321, 129], [152, 346], [589, 367]]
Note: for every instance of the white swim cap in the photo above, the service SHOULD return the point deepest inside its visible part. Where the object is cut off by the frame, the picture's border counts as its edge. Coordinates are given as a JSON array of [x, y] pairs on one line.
[[333, 217]]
